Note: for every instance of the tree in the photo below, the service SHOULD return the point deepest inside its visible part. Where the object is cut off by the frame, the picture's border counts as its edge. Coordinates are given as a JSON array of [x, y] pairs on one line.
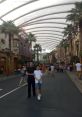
[[64, 44], [10, 29], [69, 33], [37, 49], [31, 38], [76, 19]]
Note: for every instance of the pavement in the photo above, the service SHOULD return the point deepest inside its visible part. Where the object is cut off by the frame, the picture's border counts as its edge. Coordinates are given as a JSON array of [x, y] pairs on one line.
[[5, 77], [60, 98], [71, 75], [76, 81]]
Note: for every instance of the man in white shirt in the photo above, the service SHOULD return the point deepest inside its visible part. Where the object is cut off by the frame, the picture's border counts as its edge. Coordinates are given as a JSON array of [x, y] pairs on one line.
[[52, 70], [38, 81], [78, 69]]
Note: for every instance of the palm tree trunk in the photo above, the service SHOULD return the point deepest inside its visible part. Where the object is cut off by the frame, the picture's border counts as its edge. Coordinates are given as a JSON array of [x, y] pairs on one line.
[[10, 41], [9, 62], [71, 47], [37, 56], [80, 26]]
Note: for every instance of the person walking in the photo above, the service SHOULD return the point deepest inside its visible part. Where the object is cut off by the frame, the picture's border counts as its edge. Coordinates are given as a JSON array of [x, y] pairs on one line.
[[38, 82], [30, 79], [23, 74], [78, 69], [52, 69]]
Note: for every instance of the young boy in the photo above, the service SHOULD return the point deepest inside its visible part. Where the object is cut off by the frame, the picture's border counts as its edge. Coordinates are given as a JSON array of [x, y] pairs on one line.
[[38, 81]]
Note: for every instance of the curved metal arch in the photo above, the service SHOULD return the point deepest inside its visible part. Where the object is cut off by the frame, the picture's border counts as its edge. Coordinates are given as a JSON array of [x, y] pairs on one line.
[[29, 24], [18, 7], [2, 1], [47, 19], [45, 30], [2, 20], [45, 27], [48, 33], [48, 46], [43, 9], [49, 39], [45, 15], [48, 36]]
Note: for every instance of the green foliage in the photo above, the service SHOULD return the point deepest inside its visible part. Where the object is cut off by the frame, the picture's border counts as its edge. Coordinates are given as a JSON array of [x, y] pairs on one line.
[[76, 15], [37, 47], [2, 41], [80, 53], [9, 27], [64, 44], [31, 38], [74, 59]]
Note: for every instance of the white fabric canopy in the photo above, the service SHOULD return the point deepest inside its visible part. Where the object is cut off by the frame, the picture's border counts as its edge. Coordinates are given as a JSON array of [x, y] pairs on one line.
[[44, 18]]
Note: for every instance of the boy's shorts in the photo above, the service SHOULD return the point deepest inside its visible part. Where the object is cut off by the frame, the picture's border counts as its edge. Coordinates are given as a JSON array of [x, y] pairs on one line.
[[38, 85]]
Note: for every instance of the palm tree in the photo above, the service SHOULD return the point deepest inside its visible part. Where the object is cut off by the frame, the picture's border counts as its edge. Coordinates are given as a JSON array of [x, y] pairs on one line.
[[69, 34], [10, 29], [31, 38], [64, 44], [76, 19], [37, 49]]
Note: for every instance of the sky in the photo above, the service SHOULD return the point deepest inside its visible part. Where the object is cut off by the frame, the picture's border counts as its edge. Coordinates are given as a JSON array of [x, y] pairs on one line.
[[33, 18]]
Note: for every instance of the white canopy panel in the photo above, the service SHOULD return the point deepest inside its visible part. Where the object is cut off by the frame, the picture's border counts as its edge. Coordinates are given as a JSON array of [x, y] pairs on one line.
[[44, 18]]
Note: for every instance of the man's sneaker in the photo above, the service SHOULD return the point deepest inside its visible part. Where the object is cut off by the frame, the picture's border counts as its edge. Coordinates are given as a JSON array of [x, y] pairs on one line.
[[38, 97]]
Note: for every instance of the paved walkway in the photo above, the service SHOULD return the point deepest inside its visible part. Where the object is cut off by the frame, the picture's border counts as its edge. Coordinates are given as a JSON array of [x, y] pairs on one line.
[[72, 76], [4, 77], [75, 79], [60, 98]]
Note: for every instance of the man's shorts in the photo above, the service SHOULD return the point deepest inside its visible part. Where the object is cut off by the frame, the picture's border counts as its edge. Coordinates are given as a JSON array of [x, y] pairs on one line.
[[38, 85], [23, 74]]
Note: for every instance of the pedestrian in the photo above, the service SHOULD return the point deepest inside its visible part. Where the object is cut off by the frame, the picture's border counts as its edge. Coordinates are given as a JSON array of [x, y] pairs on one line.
[[52, 69], [23, 74], [38, 82], [30, 79], [61, 67], [78, 69]]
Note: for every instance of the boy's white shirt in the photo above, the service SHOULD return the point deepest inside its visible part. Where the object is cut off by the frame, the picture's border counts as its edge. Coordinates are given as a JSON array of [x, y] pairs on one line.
[[38, 76]]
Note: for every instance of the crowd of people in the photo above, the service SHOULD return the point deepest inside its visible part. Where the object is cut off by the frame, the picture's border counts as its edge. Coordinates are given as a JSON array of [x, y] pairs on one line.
[[33, 75]]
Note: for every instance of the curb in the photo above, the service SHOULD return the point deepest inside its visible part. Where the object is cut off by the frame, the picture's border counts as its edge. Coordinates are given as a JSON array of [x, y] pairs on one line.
[[2, 78], [75, 80]]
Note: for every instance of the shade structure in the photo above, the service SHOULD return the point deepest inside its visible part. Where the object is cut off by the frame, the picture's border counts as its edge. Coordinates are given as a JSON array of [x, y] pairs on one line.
[[41, 17]]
